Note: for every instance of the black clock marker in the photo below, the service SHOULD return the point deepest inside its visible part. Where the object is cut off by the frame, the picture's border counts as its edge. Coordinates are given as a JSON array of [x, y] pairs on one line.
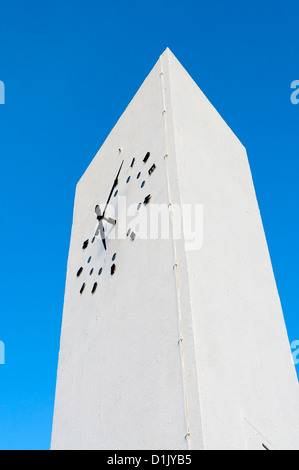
[[146, 157], [94, 287], [79, 272], [147, 199], [85, 245], [82, 288], [152, 168]]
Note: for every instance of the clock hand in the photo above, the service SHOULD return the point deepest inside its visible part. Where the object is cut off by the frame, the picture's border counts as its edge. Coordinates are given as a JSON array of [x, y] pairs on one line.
[[109, 220], [98, 211], [114, 185], [100, 228], [102, 217]]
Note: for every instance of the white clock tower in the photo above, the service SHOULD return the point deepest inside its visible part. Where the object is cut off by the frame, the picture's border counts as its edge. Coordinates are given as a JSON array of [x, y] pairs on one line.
[[172, 339]]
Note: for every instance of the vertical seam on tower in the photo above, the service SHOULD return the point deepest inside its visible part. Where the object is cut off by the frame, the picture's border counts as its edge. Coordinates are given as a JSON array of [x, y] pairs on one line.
[[164, 113]]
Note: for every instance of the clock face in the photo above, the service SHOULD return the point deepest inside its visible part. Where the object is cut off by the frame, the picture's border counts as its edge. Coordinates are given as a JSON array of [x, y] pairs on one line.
[[131, 172]]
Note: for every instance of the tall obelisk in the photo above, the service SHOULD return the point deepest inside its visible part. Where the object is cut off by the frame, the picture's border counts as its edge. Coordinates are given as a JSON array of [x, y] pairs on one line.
[[172, 342]]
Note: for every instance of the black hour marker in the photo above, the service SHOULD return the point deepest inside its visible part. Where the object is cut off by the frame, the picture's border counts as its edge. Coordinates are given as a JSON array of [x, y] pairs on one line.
[[147, 199], [85, 244], [152, 168], [94, 287], [133, 161], [82, 288], [79, 272], [146, 157], [113, 268]]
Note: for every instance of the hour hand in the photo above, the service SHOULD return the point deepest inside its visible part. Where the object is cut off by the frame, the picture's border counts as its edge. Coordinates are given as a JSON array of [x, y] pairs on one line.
[[101, 216], [100, 229], [109, 220], [98, 211]]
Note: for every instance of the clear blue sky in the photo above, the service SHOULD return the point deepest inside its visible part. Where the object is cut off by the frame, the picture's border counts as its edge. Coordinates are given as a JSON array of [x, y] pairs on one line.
[[70, 68]]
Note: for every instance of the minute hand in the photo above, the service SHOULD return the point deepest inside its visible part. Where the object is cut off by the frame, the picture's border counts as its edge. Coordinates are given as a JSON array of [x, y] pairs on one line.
[[114, 185]]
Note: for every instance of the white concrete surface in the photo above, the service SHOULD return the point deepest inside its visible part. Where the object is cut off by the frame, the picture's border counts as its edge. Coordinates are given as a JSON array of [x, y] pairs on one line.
[[178, 349]]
